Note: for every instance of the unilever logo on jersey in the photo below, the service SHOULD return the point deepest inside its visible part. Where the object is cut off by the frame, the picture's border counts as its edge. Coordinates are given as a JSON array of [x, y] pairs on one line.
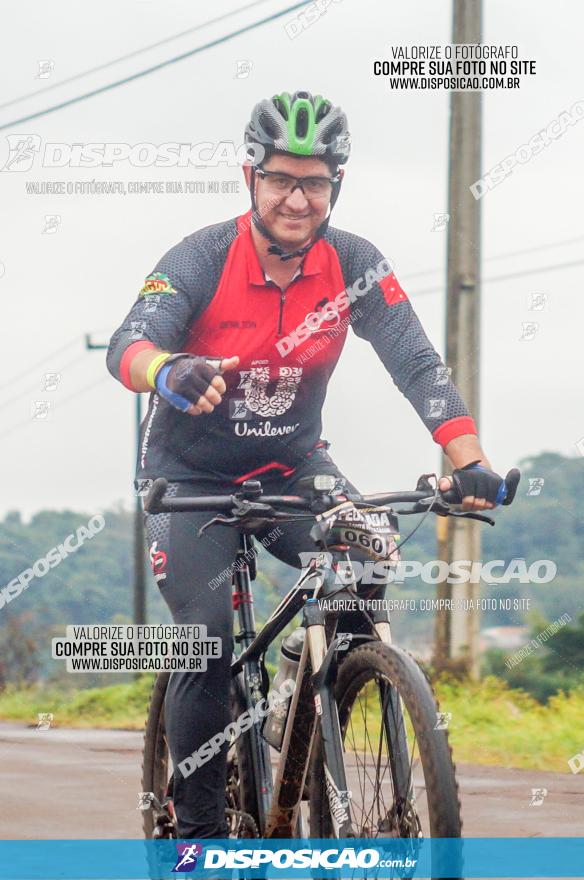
[[187, 857], [264, 396]]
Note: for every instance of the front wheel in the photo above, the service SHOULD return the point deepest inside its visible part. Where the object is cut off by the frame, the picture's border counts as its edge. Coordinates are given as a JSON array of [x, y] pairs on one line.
[[397, 759]]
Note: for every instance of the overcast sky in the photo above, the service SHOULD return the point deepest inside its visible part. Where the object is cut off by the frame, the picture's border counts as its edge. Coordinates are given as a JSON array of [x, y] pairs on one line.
[[83, 278]]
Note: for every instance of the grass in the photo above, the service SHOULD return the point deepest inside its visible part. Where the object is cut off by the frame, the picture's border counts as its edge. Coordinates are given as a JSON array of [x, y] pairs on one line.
[[491, 723], [116, 706]]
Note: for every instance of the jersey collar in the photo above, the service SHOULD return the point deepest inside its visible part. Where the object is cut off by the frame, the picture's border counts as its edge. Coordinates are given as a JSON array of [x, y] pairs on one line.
[[311, 265]]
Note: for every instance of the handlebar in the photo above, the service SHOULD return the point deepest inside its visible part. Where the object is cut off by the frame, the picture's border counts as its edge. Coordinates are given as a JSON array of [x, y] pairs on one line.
[[155, 502]]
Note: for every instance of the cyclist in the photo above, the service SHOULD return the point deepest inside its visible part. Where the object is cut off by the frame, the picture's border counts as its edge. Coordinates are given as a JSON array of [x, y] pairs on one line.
[[236, 333]]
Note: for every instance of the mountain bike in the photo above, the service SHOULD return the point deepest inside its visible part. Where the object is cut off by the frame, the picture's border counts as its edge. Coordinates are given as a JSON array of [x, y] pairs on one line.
[[361, 741]]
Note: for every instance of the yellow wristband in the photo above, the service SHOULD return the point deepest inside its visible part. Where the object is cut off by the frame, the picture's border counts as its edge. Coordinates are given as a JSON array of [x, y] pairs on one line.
[[153, 368]]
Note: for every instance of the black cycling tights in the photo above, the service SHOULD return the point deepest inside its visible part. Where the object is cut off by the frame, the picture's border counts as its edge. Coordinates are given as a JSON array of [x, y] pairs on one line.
[[193, 575]]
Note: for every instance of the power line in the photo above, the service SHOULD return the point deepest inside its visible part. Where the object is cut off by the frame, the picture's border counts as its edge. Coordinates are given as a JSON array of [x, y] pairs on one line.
[[129, 55], [155, 67], [495, 278], [38, 364], [505, 254], [34, 388], [538, 248], [59, 404]]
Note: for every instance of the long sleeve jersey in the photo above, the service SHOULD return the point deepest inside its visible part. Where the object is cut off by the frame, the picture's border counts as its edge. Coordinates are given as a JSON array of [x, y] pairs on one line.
[[209, 296]]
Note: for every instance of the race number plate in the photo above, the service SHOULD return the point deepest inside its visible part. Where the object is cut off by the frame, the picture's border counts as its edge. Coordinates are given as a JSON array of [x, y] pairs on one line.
[[372, 530]]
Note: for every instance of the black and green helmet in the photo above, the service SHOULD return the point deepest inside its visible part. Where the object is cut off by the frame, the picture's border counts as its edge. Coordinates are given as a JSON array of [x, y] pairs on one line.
[[302, 125]]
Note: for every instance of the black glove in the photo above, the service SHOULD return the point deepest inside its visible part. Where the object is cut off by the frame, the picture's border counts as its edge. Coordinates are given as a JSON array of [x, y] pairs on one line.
[[475, 479], [185, 378]]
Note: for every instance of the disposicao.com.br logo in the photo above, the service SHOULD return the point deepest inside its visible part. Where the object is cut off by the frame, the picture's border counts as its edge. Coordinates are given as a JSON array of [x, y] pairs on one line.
[[187, 855], [26, 150], [282, 858]]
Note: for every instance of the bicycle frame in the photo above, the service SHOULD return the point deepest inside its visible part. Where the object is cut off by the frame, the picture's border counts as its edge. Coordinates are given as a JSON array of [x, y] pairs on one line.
[[279, 800]]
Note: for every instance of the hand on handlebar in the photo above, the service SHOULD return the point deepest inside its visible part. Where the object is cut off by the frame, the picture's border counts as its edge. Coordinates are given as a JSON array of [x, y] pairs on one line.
[[477, 487], [194, 384]]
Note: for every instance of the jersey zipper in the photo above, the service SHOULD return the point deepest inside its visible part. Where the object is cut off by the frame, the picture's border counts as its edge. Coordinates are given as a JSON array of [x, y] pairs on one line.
[[282, 304]]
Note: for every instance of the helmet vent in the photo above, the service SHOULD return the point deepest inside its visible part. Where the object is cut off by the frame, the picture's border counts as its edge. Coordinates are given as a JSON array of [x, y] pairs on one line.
[[302, 123], [281, 108], [268, 125], [323, 110], [332, 131]]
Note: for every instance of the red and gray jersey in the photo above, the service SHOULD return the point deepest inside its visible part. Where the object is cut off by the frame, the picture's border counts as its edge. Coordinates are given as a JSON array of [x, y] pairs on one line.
[[208, 295]]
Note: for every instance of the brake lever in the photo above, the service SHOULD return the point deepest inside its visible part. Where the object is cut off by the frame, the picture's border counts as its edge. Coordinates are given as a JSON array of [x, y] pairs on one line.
[[219, 519], [441, 508]]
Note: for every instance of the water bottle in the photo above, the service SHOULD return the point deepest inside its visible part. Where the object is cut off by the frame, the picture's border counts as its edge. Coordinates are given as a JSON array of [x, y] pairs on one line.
[[275, 721]]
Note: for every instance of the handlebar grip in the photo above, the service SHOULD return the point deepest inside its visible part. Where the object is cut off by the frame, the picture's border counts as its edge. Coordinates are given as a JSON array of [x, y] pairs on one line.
[[155, 495], [511, 483], [451, 496]]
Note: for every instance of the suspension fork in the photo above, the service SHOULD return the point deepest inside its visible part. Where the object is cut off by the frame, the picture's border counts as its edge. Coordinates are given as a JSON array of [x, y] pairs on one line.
[[252, 672], [393, 718], [321, 660]]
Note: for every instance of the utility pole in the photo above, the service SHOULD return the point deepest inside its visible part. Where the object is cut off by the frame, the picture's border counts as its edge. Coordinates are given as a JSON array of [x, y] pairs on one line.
[[457, 632], [139, 581]]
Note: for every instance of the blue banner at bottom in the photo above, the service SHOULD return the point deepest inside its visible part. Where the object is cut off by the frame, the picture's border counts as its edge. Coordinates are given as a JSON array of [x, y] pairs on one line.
[[288, 859]]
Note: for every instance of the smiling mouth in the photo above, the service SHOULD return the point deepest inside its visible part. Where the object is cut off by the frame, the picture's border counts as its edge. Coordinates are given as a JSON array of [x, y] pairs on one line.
[[295, 216]]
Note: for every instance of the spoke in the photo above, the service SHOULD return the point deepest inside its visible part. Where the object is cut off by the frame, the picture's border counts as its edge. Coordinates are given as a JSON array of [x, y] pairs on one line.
[[376, 790], [362, 788], [360, 763], [389, 750]]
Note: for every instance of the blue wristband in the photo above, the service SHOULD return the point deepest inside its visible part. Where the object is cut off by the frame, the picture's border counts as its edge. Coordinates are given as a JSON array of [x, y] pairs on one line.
[[501, 491], [177, 400]]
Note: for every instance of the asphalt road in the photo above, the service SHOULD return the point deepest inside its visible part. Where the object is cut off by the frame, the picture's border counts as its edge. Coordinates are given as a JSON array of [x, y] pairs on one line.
[[63, 783]]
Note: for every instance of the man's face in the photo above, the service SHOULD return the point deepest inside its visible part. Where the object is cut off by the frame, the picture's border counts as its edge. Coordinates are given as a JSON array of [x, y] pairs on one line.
[[292, 219]]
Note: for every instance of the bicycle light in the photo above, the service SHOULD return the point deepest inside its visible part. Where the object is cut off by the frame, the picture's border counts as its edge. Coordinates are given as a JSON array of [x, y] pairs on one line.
[[324, 483]]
